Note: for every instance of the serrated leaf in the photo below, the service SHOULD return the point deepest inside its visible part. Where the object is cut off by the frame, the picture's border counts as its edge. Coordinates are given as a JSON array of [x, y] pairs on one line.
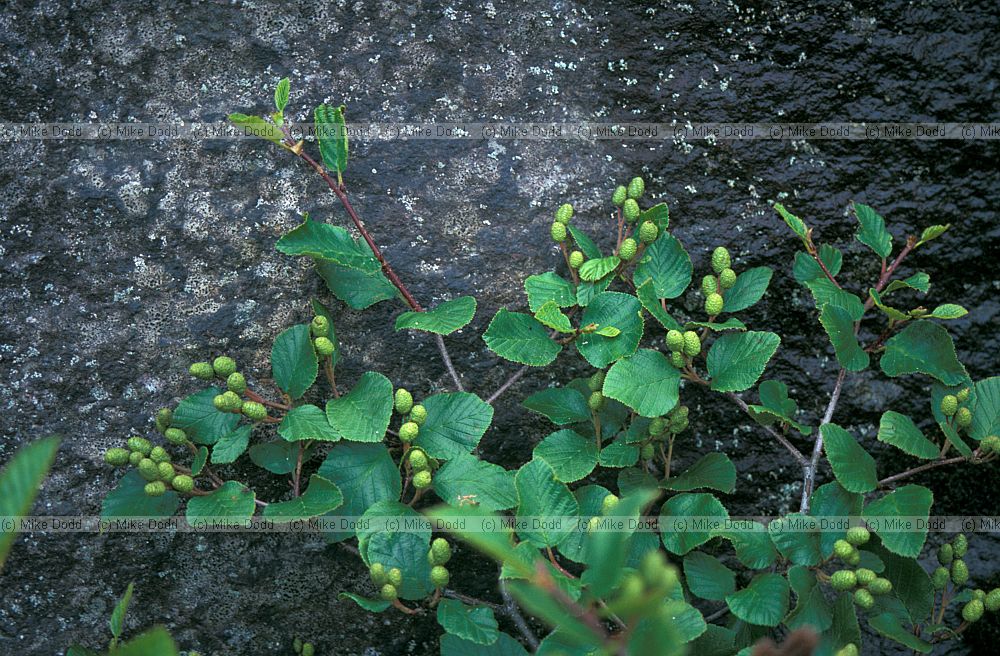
[[932, 232], [923, 347], [465, 479], [444, 319], [622, 311], [365, 475], [281, 93], [797, 538], [906, 501], [596, 269], [752, 544], [232, 445], [764, 602], [853, 467], [948, 311], [255, 126], [590, 499], [307, 422], [872, 231], [824, 292], [370, 605], [117, 621], [832, 500], [278, 456], [805, 268], [776, 406], [619, 454], [456, 421], [330, 243], [676, 530], [20, 482], [811, 609], [199, 460], [550, 316], [519, 338], [359, 289], [401, 546], [707, 577], [331, 133], [712, 471], [570, 455], [541, 494], [659, 214], [232, 502], [794, 222], [919, 281], [197, 416], [363, 414], [608, 331], [562, 405], [889, 311], [549, 286], [840, 328], [586, 292], [452, 645], [749, 288], [888, 625], [646, 293], [900, 431], [986, 412], [474, 624], [737, 360], [129, 499], [910, 584], [645, 382], [732, 323], [321, 497], [667, 264], [293, 361]]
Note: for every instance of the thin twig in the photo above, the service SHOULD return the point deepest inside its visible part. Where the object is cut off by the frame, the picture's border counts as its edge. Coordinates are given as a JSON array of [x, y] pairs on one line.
[[799, 458], [447, 362], [911, 243], [921, 468], [510, 609], [809, 470], [510, 381]]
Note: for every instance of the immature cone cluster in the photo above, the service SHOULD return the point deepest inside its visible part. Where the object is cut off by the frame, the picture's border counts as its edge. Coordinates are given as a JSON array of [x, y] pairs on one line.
[[439, 554], [388, 581], [152, 463], [954, 408], [866, 583], [224, 368], [303, 648], [319, 327], [682, 346], [413, 415], [713, 287], [558, 230]]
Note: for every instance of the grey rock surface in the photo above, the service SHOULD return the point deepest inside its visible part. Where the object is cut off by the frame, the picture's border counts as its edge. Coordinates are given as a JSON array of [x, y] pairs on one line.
[[124, 261]]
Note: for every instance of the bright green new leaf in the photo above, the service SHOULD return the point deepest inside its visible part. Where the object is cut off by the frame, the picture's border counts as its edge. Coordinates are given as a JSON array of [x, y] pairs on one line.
[[645, 382], [257, 127], [363, 414], [794, 222], [117, 620], [549, 286], [541, 494], [872, 231], [712, 471], [550, 316], [293, 361], [622, 311], [444, 319], [667, 264], [588, 291], [232, 502], [749, 288], [231, 445], [570, 455], [852, 465], [320, 497], [919, 281], [923, 347], [475, 624], [562, 405], [676, 530], [331, 132], [197, 416], [520, 338], [331, 243], [456, 421], [840, 327], [307, 422], [900, 431], [764, 602], [598, 268], [707, 577], [465, 479], [908, 501], [932, 232], [737, 360], [199, 460], [824, 292], [281, 94], [948, 311], [20, 481]]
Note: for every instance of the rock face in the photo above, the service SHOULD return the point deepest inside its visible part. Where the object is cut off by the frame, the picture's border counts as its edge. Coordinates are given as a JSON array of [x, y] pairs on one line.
[[124, 261]]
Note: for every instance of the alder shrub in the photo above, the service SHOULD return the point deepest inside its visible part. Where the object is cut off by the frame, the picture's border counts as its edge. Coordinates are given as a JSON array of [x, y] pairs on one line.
[[646, 564]]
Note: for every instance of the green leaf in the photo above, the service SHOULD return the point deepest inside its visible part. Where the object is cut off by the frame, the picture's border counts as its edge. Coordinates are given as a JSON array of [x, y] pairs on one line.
[[796, 537], [20, 481], [749, 288], [932, 232], [584, 243], [370, 605], [948, 311], [956, 440], [678, 531], [232, 445], [321, 310], [444, 319], [359, 289], [519, 338], [307, 422], [199, 460], [278, 457], [888, 625], [832, 500], [589, 499], [466, 479], [645, 382], [919, 281], [365, 475], [232, 502], [549, 286], [570, 455], [667, 264], [598, 268], [541, 494], [363, 414], [910, 584], [452, 645], [331, 243], [550, 316], [776, 406], [891, 312], [732, 323], [293, 361], [129, 499], [155, 642], [900, 431], [659, 214], [852, 465], [281, 94], [197, 417], [456, 421], [872, 232], [737, 360], [646, 293], [986, 413], [923, 347], [320, 497], [400, 547], [605, 552], [824, 292], [794, 222], [908, 501], [611, 309], [752, 544], [764, 602], [805, 268], [586, 292], [257, 127], [713, 471], [562, 405], [608, 331], [811, 608], [707, 577], [840, 327], [117, 621], [473, 623], [332, 136]]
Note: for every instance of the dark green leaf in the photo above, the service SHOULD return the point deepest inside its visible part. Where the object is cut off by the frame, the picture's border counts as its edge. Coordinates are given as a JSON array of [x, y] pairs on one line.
[[646, 293], [331, 243], [794, 222], [749, 288], [570, 455], [444, 319], [197, 417], [888, 625], [129, 499], [331, 133], [713, 471], [456, 421], [465, 479], [549, 286], [622, 311], [277, 457], [320, 497], [117, 621], [923, 347], [584, 243], [852, 465], [474, 624], [371, 605], [562, 405], [986, 412], [359, 289], [645, 382], [365, 475], [737, 360], [872, 231], [232, 445], [363, 414], [678, 530], [541, 494], [763, 602], [707, 577], [321, 310], [307, 422], [232, 502], [900, 431], [667, 264], [293, 361], [840, 327], [520, 338], [909, 501]]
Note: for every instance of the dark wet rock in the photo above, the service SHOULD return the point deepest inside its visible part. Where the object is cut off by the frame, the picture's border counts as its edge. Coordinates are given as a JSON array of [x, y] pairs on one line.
[[124, 261]]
